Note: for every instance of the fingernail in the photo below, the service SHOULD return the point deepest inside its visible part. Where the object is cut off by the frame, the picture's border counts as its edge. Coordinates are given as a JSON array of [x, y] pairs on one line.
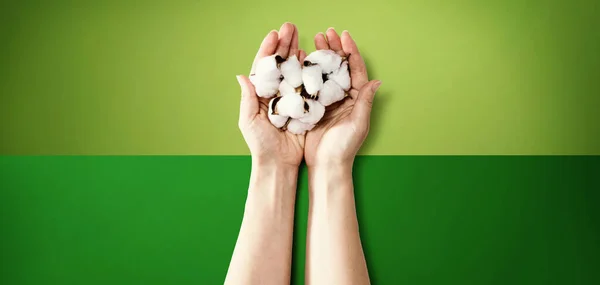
[[331, 28], [376, 85], [346, 31], [239, 79]]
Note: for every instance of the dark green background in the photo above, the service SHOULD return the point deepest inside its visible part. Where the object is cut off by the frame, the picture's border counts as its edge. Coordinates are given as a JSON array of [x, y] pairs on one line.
[[423, 219]]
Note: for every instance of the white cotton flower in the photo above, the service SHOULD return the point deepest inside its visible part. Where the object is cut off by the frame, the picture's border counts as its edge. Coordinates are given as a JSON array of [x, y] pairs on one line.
[[285, 88], [291, 105], [265, 87], [327, 59], [331, 93], [312, 77], [268, 67], [341, 76], [277, 120], [314, 114], [297, 127], [292, 71]]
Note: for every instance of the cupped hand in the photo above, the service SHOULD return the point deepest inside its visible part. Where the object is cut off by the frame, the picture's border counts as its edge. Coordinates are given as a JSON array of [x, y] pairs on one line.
[[339, 135], [269, 145]]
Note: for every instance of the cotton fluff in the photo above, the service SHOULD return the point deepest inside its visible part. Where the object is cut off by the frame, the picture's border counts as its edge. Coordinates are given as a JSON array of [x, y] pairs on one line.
[[285, 88], [264, 88], [314, 114], [327, 59], [291, 105], [277, 120], [331, 93], [304, 88], [341, 76], [312, 77], [267, 76], [297, 127], [292, 71]]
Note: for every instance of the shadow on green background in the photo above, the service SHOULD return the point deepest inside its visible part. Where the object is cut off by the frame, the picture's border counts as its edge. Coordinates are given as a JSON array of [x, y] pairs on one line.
[[423, 220]]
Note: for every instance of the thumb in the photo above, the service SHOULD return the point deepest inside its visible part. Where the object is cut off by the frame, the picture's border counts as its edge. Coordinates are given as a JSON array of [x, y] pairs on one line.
[[249, 102], [364, 101]]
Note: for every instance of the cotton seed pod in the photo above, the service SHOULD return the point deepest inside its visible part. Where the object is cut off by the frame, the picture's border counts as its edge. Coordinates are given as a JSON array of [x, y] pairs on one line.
[[341, 76], [265, 87], [327, 59], [277, 120], [314, 114], [292, 71], [312, 76], [285, 88], [297, 127], [291, 105], [331, 93], [268, 67]]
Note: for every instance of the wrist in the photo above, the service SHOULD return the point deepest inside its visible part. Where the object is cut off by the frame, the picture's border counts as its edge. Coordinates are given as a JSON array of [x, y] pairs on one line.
[[273, 166], [331, 166], [327, 179]]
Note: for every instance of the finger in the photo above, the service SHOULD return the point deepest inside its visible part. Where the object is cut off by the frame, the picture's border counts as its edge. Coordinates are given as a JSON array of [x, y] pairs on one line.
[[286, 33], [249, 102], [301, 55], [267, 47], [364, 102], [335, 43], [358, 70], [321, 42], [294, 44]]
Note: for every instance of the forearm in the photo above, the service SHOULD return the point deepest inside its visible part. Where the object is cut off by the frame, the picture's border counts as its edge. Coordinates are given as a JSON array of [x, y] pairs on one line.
[[262, 254], [334, 251]]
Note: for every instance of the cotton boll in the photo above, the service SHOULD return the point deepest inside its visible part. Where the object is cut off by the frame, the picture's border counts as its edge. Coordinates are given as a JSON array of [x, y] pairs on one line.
[[297, 127], [314, 114], [312, 78], [265, 87], [291, 105], [341, 76], [277, 120], [331, 93], [285, 88], [328, 60], [292, 71], [268, 67]]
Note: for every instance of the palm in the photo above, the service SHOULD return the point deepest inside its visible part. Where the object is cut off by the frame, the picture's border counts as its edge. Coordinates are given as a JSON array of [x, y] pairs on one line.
[[339, 132], [285, 145], [265, 141], [335, 127]]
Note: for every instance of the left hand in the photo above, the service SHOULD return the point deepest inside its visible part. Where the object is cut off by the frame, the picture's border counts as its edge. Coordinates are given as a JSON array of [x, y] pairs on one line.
[[269, 145]]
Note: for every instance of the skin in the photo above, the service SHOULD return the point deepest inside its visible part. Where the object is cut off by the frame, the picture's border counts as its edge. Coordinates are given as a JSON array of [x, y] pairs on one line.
[[263, 251], [262, 254], [334, 253]]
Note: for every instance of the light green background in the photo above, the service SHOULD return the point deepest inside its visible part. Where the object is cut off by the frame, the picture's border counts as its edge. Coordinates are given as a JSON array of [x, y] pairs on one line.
[[157, 77]]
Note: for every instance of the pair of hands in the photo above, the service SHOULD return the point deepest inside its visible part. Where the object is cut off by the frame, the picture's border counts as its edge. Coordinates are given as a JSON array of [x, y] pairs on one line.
[[336, 139]]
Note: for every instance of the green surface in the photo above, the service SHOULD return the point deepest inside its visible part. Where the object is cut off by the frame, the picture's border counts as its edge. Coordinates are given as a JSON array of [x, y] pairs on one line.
[[423, 220], [157, 77]]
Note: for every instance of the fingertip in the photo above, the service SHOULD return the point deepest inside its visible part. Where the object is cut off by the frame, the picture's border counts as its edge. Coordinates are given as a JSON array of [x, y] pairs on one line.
[[301, 55], [245, 84], [375, 85], [321, 41], [287, 25], [272, 33]]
